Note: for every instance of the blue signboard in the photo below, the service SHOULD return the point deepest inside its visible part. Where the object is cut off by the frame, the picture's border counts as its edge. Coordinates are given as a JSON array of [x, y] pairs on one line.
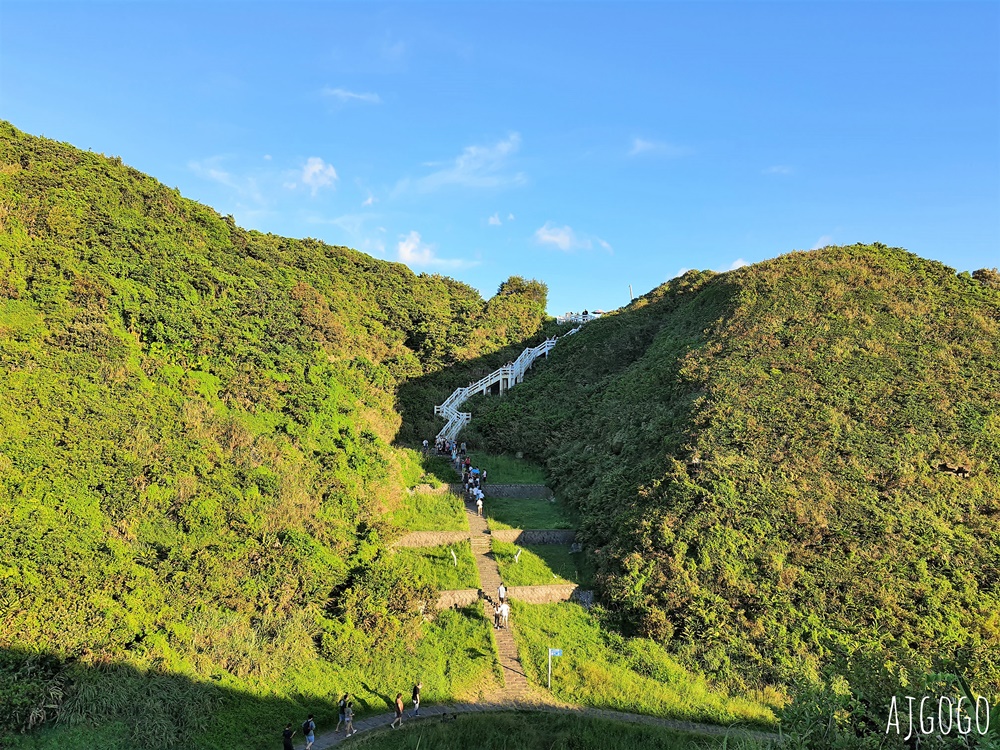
[[555, 652]]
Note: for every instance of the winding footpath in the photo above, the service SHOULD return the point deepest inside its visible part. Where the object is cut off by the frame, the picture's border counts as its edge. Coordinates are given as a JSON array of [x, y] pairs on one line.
[[517, 693]]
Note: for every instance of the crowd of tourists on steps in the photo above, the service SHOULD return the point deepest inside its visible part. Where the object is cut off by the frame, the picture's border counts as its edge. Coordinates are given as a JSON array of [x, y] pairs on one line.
[[345, 708]]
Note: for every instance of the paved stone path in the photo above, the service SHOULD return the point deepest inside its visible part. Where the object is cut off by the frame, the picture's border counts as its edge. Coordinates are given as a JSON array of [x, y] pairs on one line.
[[516, 685], [517, 694]]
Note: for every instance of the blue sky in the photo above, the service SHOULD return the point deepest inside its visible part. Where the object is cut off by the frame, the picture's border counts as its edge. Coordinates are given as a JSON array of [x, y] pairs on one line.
[[589, 145]]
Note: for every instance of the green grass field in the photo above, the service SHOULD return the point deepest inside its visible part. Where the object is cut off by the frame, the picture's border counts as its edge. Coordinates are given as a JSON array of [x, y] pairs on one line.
[[541, 564], [605, 670], [431, 511], [515, 513], [504, 469], [435, 566], [524, 730]]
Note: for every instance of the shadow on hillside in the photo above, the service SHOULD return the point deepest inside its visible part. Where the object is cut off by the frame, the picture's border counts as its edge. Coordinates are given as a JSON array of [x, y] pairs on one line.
[[416, 398], [47, 702]]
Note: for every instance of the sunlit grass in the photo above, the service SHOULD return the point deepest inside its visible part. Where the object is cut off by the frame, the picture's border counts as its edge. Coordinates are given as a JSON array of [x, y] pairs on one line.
[[436, 566], [605, 670], [541, 564], [431, 511]]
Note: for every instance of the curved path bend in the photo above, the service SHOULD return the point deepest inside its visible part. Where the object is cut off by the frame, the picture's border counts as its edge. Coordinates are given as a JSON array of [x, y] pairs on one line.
[[382, 721], [518, 694]]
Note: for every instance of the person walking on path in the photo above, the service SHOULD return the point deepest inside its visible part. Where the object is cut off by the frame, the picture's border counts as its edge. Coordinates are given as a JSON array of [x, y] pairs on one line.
[[479, 505], [398, 721], [425, 447], [502, 592], [496, 615], [504, 615], [349, 719], [309, 730], [342, 707], [416, 698], [286, 737]]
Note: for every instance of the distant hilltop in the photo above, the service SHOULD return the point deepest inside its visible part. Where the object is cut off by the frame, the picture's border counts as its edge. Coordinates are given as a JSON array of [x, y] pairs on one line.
[[573, 317]]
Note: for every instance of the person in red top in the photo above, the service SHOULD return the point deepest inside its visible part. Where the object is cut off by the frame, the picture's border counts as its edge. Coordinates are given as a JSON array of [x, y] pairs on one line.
[[399, 712]]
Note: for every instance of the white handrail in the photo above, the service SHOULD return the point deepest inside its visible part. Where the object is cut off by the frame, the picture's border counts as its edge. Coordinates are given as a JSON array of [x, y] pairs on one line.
[[512, 372]]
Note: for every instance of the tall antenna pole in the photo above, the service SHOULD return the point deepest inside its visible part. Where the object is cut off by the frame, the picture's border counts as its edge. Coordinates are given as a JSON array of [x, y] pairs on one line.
[[630, 295]]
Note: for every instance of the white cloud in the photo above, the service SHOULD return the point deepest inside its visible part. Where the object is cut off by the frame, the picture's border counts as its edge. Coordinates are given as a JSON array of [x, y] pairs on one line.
[[565, 239], [494, 220], [343, 95], [657, 148], [680, 272], [267, 157], [738, 263], [510, 217], [318, 174], [476, 166], [369, 201], [416, 253], [779, 169], [822, 242]]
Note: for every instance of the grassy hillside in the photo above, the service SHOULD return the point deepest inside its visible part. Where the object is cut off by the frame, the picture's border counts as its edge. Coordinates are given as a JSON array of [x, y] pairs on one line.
[[760, 460], [197, 471]]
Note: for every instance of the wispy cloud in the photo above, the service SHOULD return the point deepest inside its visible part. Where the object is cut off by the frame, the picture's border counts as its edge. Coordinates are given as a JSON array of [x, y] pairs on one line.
[[566, 239], [494, 220], [212, 169], [416, 253], [343, 95], [823, 241], [738, 263], [641, 146], [510, 217], [779, 169], [369, 201], [476, 167], [318, 174]]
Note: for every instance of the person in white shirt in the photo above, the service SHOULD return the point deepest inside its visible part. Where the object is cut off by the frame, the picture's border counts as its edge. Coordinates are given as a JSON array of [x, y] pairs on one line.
[[504, 613], [502, 592]]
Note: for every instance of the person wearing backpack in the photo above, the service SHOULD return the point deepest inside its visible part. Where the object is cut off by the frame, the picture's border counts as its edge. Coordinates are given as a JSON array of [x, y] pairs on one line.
[[342, 707], [309, 730]]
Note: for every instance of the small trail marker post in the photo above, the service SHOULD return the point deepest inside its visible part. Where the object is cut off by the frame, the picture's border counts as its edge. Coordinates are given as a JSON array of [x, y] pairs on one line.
[[454, 557], [553, 652], [517, 557]]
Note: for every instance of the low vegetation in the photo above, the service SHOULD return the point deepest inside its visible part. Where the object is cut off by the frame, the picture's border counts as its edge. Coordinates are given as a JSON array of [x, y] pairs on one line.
[[789, 473], [430, 511], [602, 669], [524, 731], [541, 564], [525, 513], [198, 460], [435, 566]]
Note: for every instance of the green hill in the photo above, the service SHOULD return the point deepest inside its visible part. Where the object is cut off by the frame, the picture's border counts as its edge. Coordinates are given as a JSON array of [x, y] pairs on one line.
[[197, 428], [789, 470]]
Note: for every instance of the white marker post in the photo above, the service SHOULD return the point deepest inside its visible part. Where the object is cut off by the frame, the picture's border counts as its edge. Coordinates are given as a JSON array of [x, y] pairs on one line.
[[454, 557], [553, 652]]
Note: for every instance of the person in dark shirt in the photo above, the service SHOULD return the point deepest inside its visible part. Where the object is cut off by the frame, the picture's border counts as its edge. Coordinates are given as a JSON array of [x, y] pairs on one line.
[[416, 698], [286, 737]]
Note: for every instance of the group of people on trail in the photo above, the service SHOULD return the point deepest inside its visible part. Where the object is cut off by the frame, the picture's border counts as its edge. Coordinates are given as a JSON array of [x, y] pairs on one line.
[[446, 448], [501, 609], [473, 480], [345, 707]]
